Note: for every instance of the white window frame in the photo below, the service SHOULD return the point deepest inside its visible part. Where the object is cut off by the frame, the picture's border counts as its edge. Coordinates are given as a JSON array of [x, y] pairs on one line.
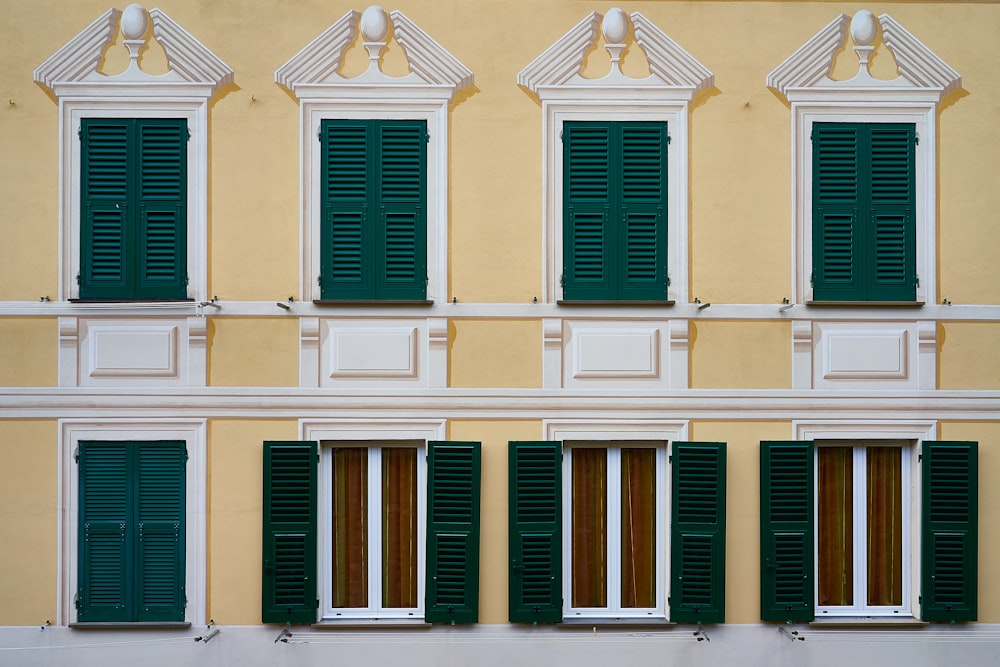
[[388, 433], [193, 433]]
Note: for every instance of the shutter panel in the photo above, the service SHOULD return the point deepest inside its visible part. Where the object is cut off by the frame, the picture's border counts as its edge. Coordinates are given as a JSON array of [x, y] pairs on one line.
[[698, 532], [950, 529], [786, 531], [402, 237], [160, 530], [105, 539], [453, 474], [837, 198], [535, 533], [289, 549], [644, 196], [105, 204], [893, 201], [589, 255], [344, 237], [162, 210]]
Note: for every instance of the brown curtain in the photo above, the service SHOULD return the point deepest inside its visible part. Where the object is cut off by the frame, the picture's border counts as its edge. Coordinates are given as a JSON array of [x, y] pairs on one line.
[[590, 532], [399, 527], [835, 557], [885, 526], [350, 527], [638, 527]]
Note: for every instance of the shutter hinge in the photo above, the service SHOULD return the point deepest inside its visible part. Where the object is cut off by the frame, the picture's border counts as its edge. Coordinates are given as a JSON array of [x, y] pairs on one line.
[[184, 595], [317, 604], [188, 130], [187, 280], [78, 279], [668, 281], [920, 457], [319, 135], [427, 138], [916, 139], [319, 280], [812, 134], [185, 455], [79, 132], [76, 454], [562, 280], [77, 602], [669, 139], [916, 280], [812, 278]]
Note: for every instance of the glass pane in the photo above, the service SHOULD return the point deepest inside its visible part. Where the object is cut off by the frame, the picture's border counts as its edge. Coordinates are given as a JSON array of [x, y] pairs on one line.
[[885, 526], [399, 527], [638, 527], [590, 531], [350, 527], [835, 525]]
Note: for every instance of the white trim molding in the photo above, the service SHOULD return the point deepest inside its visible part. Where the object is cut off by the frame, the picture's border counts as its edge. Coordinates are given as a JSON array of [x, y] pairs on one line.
[[193, 433], [434, 78], [556, 78]]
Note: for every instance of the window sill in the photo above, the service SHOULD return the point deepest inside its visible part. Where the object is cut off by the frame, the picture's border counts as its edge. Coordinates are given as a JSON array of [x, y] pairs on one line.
[[906, 623], [134, 302], [583, 302], [872, 304], [585, 622], [373, 302], [142, 625], [380, 623]]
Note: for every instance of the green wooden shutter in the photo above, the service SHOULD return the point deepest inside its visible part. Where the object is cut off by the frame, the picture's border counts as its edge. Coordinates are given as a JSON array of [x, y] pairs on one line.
[[535, 532], [345, 235], [643, 234], [289, 549], [453, 484], [949, 531], [402, 235], [161, 236], [589, 253], [698, 532], [786, 531], [106, 526], [160, 510], [837, 202], [892, 263], [105, 236]]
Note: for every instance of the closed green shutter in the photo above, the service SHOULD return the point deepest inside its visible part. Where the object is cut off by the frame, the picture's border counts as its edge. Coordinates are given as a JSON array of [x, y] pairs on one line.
[[786, 531], [132, 553], [864, 237], [535, 532], [374, 204], [105, 206], [614, 210], [162, 209], [698, 532], [289, 533], [950, 531], [453, 484]]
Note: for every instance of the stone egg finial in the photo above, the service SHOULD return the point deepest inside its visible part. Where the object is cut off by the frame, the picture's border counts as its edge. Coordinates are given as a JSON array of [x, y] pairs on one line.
[[135, 20], [864, 28], [615, 26], [374, 24]]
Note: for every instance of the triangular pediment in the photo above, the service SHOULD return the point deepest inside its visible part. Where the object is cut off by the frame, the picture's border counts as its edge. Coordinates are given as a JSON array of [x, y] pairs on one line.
[[188, 61], [670, 66], [318, 64], [809, 68]]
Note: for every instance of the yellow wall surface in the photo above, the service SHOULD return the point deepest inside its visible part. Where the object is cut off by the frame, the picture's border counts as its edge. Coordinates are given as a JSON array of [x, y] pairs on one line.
[[969, 355], [253, 353], [741, 355], [493, 566], [29, 352], [987, 435], [235, 455], [28, 522], [504, 353]]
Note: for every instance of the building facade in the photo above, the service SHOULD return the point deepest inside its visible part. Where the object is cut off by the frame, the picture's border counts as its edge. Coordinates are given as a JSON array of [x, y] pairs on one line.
[[499, 332]]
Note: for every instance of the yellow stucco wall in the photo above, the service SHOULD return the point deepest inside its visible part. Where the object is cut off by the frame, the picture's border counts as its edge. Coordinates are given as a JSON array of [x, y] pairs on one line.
[[970, 355], [504, 353], [741, 355], [253, 352], [28, 522], [29, 352]]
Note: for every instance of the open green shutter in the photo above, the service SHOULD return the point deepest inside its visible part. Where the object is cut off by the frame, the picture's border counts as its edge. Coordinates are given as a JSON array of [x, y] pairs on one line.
[[106, 525], [949, 531], [453, 474], [892, 267], [535, 532], [643, 233], [698, 532], [786, 531], [289, 549], [162, 209], [160, 530], [590, 260], [402, 235], [105, 263]]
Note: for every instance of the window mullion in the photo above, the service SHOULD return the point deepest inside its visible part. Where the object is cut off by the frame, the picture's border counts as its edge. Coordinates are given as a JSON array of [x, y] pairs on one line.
[[860, 519], [613, 525], [374, 528]]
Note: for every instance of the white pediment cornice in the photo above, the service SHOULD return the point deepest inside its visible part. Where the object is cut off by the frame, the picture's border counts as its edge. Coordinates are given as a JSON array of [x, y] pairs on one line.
[[674, 71], [808, 69], [77, 62], [313, 71]]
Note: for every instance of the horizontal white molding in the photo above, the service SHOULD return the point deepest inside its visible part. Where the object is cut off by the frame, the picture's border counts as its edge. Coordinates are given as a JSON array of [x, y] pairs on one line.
[[521, 311], [495, 404]]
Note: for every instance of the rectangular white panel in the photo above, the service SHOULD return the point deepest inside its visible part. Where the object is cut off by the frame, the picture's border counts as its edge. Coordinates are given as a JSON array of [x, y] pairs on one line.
[[615, 354], [127, 351], [389, 352], [865, 355]]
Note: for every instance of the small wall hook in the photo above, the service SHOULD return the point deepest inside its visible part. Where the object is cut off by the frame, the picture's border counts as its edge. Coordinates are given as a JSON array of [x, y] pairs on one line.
[[283, 306], [793, 635], [283, 635]]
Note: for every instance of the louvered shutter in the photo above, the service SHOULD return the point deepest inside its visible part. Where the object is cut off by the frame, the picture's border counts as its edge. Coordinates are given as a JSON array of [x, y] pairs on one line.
[[453, 474], [161, 237], [589, 242], [105, 237], [698, 532], [345, 235], [892, 264], [289, 533], [643, 234], [160, 530], [786, 531], [535, 532], [949, 531], [106, 527], [402, 236], [837, 212]]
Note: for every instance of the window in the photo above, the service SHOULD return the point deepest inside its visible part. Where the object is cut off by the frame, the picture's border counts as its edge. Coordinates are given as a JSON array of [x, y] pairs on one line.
[[399, 537], [864, 242], [835, 530], [614, 217], [612, 560], [374, 198], [134, 208], [131, 532]]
